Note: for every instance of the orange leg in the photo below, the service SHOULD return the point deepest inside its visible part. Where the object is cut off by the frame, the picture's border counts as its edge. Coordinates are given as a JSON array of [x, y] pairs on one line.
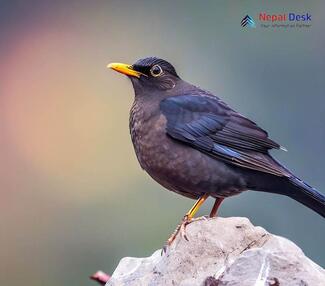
[[186, 220], [215, 207]]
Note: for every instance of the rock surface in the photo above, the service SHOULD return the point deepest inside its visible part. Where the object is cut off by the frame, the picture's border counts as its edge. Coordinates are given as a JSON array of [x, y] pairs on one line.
[[222, 252]]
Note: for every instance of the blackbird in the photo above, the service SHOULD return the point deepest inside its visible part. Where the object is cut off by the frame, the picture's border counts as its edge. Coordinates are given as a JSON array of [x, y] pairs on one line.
[[194, 144]]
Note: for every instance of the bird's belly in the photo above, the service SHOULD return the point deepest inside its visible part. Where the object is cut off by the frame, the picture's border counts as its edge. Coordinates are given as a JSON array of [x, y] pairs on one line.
[[181, 168]]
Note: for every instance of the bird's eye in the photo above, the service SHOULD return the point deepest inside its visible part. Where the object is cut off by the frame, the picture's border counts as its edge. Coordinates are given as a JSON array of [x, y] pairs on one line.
[[156, 70]]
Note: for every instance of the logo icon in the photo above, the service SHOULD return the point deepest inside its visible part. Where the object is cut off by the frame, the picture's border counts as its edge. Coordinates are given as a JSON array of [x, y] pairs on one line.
[[248, 21]]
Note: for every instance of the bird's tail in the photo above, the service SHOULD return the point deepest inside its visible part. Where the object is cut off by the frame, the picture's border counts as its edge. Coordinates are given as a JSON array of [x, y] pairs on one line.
[[307, 195], [293, 188]]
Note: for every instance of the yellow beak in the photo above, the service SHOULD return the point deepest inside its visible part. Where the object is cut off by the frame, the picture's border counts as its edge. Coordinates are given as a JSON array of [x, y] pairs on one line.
[[124, 69]]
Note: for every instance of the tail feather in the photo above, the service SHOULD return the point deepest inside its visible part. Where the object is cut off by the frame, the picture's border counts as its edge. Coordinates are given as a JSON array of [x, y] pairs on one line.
[[307, 195], [291, 187]]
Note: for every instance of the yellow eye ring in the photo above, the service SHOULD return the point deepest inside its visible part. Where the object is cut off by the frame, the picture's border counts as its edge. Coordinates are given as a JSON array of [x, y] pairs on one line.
[[156, 70]]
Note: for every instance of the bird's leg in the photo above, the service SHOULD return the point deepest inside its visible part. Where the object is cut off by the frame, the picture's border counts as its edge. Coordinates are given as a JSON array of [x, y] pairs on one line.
[[186, 220], [215, 207]]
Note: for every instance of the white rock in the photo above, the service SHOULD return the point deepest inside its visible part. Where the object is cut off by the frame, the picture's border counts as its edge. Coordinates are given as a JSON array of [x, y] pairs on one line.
[[222, 252]]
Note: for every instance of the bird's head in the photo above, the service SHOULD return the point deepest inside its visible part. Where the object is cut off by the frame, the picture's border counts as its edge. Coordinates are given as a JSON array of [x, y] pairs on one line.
[[149, 74]]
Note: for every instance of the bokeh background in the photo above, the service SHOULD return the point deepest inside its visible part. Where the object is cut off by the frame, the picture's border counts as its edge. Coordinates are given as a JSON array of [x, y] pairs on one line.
[[73, 197]]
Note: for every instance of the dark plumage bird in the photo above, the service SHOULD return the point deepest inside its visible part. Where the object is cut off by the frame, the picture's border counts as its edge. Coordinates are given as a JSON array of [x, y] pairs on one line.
[[194, 144]]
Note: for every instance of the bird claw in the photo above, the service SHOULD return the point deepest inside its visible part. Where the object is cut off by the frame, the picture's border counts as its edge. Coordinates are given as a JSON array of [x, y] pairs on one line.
[[181, 228]]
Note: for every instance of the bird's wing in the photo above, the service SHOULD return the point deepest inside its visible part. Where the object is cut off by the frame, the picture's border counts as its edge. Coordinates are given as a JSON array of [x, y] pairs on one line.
[[209, 125]]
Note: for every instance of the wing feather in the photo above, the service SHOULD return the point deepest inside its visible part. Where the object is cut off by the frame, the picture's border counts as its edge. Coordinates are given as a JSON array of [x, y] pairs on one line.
[[209, 125]]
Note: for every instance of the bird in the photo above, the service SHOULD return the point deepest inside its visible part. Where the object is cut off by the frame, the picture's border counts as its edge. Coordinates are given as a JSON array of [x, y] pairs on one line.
[[194, 144]]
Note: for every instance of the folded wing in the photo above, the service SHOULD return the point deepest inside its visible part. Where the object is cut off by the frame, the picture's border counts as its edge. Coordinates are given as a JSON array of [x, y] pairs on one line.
[[210, 126]]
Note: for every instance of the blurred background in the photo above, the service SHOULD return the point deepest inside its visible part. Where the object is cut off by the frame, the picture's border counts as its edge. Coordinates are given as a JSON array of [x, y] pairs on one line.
[[73, 197]]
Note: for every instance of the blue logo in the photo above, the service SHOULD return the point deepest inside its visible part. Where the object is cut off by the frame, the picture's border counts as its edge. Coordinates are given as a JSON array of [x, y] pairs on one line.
[[248, 21]]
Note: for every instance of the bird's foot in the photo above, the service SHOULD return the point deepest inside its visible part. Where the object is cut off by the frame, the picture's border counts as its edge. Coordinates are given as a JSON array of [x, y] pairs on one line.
[[187, 222], [181, 229], [188, 218]]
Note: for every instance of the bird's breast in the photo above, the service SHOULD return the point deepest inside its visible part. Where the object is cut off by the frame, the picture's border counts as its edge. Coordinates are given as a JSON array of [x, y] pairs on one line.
[[149, 138], [176, 166]]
